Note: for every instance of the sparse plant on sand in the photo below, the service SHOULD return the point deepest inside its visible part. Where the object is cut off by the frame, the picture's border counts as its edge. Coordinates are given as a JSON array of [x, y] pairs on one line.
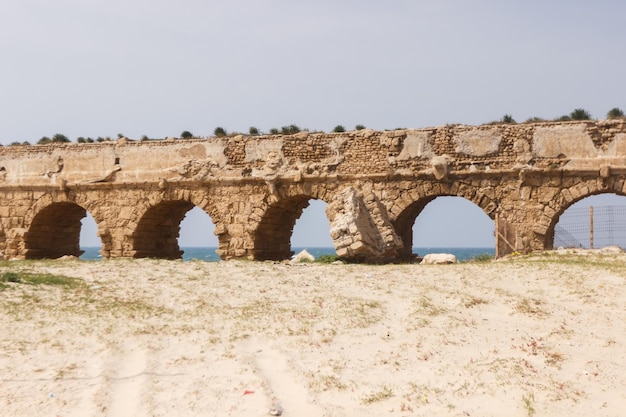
[[384, 394], [529, 401]]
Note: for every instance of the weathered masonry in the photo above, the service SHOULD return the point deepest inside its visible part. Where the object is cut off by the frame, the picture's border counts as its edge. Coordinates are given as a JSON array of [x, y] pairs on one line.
[[255, 187]]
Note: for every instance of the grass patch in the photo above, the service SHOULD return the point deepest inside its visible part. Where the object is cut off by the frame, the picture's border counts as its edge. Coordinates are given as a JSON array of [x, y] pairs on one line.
[[327, 259], [38, 279], [484, 257]]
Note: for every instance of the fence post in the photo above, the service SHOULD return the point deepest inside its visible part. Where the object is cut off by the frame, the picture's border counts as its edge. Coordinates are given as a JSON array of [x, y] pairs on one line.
[[591, 227]]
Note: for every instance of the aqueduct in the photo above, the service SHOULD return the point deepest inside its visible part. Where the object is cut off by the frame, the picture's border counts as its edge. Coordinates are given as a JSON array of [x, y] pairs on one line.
[[255, 187]]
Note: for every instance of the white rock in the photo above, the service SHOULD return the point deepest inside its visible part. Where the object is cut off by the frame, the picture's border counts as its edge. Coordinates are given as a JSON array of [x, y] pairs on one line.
[[611, 250], [439, 259], [303, 256]]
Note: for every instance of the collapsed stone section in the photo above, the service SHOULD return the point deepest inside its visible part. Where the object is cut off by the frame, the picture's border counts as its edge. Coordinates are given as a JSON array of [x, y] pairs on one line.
[[361, 229]]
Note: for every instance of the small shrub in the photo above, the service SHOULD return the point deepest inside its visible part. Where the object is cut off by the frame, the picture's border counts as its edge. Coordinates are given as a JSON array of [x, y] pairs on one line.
[[274, 131], [289, 130], [60, 138], [186, 134], [507, 119], [534, 119], [339, 129], [44, 140], [219, 132], [615, 113], [580, 114], [253, 131], [359, 127]]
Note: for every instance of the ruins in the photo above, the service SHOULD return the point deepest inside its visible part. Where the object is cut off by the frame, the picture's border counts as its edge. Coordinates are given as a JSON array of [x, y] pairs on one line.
[[254, 188]]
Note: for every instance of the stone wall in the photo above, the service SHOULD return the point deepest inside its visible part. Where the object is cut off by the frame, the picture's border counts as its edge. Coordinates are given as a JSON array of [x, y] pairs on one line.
[[255, 187]]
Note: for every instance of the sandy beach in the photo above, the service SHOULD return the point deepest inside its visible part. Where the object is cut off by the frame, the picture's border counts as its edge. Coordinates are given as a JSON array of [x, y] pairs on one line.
[[539, 335]]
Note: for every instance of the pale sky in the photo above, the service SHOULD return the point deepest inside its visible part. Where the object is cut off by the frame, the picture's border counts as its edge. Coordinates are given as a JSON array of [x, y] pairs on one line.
[[156, 68]]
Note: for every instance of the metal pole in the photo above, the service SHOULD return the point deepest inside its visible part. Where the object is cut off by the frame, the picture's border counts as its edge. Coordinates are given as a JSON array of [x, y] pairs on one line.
[[497, 238], [591, 227]]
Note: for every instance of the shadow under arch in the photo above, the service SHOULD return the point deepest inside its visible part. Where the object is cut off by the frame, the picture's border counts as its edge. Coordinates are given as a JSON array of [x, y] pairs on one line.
[[272, 238], [156, 234], [404, 223], [575, 238], [55, 231]]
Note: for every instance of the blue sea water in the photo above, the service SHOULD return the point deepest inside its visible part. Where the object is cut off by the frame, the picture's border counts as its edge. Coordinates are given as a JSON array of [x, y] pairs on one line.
[[208, 254]]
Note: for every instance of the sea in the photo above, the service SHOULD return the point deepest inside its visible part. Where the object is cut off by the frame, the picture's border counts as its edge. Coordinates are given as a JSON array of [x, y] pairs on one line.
[[209, 255]]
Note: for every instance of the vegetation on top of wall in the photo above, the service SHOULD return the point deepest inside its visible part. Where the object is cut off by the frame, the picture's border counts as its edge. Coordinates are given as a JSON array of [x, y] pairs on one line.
[[290, 130], [615, 113], [57, 138], [578, 114], [535, 119], [219, 132]]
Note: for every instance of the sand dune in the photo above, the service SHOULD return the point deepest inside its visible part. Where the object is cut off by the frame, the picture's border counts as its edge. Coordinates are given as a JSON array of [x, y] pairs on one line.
[[538, 335]]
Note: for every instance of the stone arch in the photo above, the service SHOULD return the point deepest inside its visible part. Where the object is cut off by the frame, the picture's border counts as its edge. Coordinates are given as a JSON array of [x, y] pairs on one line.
[[52, 226], [272, 235], [567, 197], [414, 202], [156, 227]]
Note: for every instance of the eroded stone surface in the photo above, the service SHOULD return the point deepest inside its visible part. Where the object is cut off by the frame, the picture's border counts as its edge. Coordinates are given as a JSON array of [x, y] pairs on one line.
[[255, 188]]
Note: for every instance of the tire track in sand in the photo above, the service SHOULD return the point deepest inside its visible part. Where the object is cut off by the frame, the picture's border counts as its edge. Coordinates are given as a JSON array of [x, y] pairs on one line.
[[128, 386], [283, 384]]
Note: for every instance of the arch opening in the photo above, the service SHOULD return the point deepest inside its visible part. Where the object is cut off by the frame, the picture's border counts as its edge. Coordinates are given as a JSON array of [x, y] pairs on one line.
[[90, 243], [311, 231], [156, 235], [196, 238], [273, 237], [445, 223], [592, 222], [55, 232]]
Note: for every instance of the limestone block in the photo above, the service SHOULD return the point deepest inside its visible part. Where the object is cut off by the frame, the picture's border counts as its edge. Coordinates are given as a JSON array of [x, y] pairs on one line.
[[477, 142], [570, 141], [439, 259], [416, 145]]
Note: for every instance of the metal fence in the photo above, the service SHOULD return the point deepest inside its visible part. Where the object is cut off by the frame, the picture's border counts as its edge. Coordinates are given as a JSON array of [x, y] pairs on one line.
[[591, 227]]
